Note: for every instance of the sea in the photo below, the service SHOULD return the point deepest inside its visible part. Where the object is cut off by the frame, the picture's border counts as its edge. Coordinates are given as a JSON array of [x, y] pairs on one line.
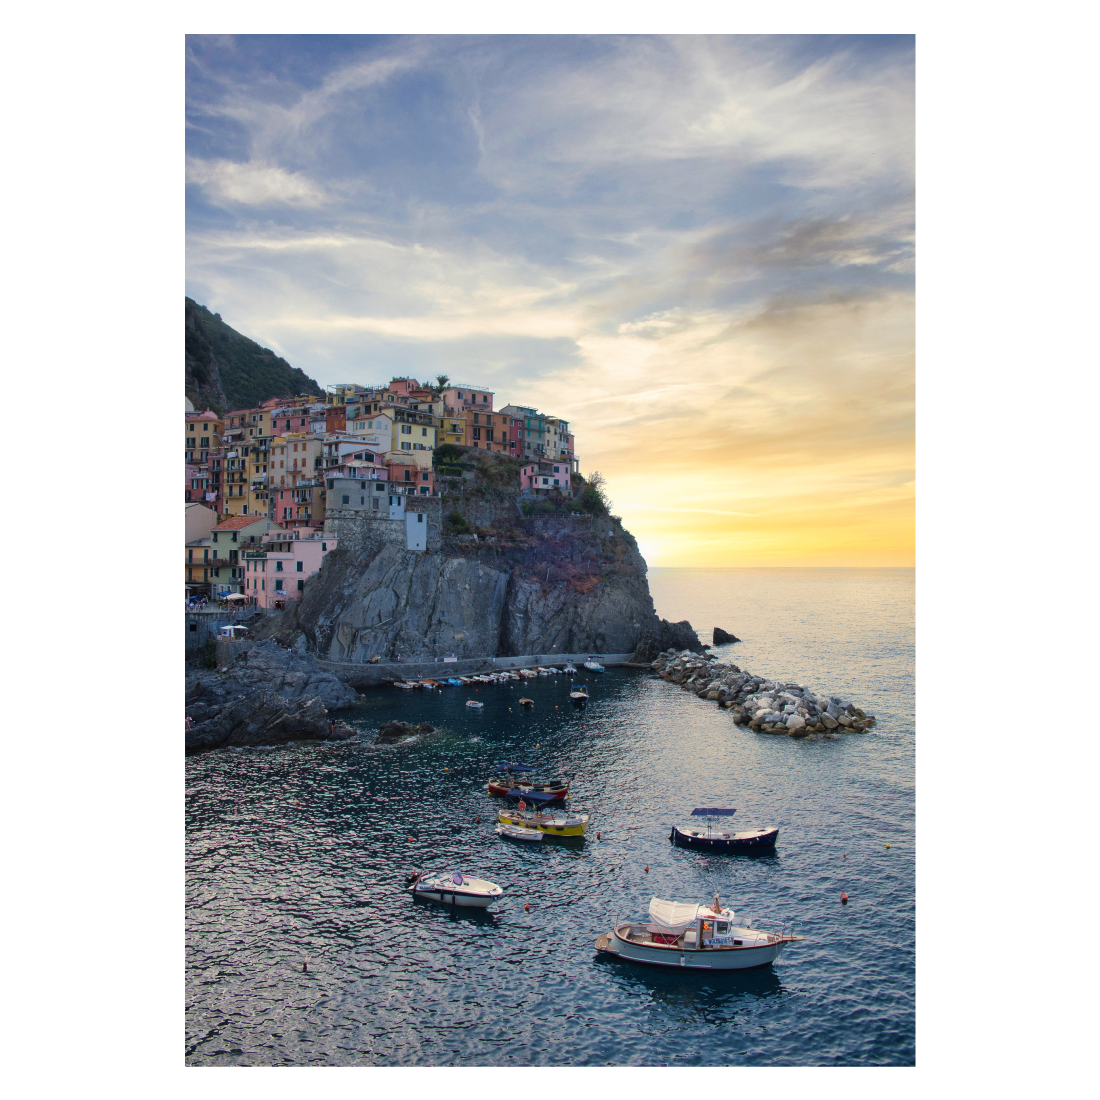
[[303, 947]]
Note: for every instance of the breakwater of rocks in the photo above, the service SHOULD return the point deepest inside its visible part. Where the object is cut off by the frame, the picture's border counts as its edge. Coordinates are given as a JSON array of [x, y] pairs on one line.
[[765, 705]]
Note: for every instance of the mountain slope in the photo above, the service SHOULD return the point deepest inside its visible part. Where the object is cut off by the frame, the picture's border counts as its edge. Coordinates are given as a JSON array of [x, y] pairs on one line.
[[247, 372]]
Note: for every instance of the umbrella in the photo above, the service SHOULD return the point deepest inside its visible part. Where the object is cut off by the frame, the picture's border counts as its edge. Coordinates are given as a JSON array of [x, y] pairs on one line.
[[236, 596]]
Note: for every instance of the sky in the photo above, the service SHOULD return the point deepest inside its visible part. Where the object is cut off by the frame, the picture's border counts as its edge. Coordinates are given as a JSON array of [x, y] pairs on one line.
[[698, 250]]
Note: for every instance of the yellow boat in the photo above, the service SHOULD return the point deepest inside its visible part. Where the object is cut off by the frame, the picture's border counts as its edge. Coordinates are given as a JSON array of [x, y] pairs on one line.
[[555, 824]]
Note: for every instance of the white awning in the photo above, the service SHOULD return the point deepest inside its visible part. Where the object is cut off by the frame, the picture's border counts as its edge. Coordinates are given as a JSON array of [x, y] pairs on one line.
[[673, 914]]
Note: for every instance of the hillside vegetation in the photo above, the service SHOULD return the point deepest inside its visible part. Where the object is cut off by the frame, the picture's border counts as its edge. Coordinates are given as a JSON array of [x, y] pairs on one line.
[[226, 370]]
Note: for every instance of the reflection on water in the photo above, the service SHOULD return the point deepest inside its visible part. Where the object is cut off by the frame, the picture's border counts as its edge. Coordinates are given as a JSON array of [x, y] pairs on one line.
[[300, 854]]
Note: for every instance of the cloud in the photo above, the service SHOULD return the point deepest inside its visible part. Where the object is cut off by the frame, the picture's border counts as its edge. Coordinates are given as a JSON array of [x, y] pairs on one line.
[[253, 184]]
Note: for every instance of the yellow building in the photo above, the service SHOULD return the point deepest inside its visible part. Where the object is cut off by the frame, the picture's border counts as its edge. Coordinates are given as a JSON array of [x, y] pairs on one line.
[[451, 429], [414, 436]]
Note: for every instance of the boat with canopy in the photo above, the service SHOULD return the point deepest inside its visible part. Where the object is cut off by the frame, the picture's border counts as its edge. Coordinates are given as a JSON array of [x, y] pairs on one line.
[[697, 937], [716, 837], [532, 812]]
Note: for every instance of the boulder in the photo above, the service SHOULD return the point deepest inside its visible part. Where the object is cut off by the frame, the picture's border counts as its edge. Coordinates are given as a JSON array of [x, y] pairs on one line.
[[393, 733], [795, 722], [829, 722], [845, 720], [721, 637]]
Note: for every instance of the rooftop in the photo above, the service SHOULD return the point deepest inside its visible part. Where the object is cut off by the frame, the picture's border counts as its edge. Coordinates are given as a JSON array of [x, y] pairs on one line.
[[237, 522]]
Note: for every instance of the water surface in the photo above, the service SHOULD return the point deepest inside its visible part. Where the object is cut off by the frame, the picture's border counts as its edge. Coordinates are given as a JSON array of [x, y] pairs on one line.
[[300, 852]]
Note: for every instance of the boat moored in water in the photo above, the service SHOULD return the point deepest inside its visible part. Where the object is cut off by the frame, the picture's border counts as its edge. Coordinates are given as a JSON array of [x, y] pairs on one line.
[[527, 704], [569, 669], [518, 832], [578, 697], [712, 837], [550, 822], [592, 665], [474, 704], [518, 777], [458, 888], [696, 937]]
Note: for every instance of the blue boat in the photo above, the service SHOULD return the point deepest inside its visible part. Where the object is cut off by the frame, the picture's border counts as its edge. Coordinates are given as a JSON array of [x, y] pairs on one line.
[[714, 837]]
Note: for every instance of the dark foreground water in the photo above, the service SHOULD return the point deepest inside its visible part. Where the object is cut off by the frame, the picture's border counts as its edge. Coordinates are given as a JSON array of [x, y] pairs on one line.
[[300, 852]]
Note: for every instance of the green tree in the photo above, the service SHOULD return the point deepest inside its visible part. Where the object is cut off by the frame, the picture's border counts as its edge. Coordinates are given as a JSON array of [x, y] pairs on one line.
[[442, 381]]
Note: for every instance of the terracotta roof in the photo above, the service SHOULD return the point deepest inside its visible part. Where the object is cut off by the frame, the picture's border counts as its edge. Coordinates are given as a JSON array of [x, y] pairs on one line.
[[237, 522]]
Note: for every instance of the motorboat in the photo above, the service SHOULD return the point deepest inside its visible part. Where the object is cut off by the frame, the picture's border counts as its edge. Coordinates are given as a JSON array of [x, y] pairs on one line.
[[713, 837], [474, 703], [570, 669], [578, 697], [430, 684], [517, 777], [542, 672], [404, 684], [518, 832], [528, 704], [454, 681], [696, 937], [592, 665], [455, 889], [531, 814]]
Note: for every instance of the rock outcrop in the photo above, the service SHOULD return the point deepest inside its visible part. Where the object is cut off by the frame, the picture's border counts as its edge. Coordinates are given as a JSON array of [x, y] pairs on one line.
[[764, 705], [393, 733], [570, 584], [663, 635], [267, 696], [721, 637]]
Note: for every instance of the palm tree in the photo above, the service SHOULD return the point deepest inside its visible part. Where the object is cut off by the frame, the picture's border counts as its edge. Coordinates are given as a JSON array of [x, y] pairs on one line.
[[442, 381]]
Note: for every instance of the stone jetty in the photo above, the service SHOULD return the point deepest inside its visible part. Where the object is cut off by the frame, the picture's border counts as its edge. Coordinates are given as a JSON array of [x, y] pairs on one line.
[[765, 705]]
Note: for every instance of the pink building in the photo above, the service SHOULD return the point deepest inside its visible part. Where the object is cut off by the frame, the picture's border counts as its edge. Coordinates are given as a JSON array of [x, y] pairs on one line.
[[276, 571], [546, 477]]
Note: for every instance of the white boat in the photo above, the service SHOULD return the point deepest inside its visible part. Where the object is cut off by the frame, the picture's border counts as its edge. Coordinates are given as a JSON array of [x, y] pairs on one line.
[[542, 672], [474, 703], [569, 669], [518, 832], [455, 889], [403, 684], [592, 665], [695, 937]]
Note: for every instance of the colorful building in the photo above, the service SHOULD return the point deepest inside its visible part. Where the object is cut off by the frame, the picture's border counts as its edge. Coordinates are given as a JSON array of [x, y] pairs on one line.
[[544, 478], [276, 571]]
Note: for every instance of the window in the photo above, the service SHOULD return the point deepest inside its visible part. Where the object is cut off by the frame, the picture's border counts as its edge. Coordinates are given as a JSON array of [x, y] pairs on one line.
[[419, 517], [299, 566], [347, 500], [408, 475], [477, 433], [279, 584], [406, 429], [477, 418], [423, 431], [324, 547], [190, 556], [301, 585], [424, 476], [406, 446], [278, 567], [380, 488], [485, 398], [206, 555], [362, 500]]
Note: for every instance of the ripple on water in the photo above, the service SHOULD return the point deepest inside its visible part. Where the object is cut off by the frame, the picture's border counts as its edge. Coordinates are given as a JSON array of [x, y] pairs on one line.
[[299, 853]]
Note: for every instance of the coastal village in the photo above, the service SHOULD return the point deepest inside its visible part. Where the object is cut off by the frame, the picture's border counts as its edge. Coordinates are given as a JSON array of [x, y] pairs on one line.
[[260, 481]]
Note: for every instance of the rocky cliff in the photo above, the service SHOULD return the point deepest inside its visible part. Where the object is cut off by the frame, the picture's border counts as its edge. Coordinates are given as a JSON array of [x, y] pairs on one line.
[[518, 584], [267, 696]]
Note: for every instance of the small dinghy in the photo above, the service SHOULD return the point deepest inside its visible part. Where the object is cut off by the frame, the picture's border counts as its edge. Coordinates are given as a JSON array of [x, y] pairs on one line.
[[518, 832], [713, 837], [542, 672], [452, 680], [578, 698], [474, 704], [528, 703], [696, 937], [454, 889]]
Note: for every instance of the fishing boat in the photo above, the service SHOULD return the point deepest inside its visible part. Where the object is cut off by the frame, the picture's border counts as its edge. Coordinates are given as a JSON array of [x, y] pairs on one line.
[[529, 704], [517, 777], [696, 937], [454, 889], [713, 837], [474, 703], [578, 697], [529, 813], [431, 684], [518, 832], [570, 669], [592, 665]]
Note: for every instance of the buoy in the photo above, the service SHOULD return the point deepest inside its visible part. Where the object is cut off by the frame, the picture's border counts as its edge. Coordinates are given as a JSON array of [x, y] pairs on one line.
[[446, 769], [527, 907], [843, 898], [597, 836], [845, 856], [478, 821], [303, 966], [887, 846], [647, 868], [297, 803], [410, 840]]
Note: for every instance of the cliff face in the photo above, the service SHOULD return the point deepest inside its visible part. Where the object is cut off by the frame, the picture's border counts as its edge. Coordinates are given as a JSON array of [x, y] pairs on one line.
[[520, 585]]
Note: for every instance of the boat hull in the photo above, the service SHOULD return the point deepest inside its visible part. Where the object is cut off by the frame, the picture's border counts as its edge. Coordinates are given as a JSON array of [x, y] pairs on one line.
[[675, 958], [753, 843], [455, 897], [576, 828], [502, 791]]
